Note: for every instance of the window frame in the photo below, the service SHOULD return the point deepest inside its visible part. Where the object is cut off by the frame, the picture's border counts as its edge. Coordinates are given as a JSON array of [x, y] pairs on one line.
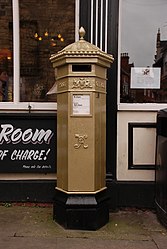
[[16, 104], [131, 106]]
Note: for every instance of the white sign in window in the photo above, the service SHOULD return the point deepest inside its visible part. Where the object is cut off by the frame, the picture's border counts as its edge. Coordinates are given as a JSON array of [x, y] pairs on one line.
[[145, 77], [81, 104]]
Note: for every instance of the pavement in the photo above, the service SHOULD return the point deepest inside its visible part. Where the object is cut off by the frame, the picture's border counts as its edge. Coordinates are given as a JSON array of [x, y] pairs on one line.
[[25, 226]]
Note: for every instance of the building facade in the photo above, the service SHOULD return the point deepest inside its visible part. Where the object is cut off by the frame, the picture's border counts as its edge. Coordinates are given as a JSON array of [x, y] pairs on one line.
[[136, 89]]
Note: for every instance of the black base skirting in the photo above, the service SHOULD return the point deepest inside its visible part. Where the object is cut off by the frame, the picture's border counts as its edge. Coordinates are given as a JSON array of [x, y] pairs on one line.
[[161, 214], [81, 211], [27, 190], [121, 193], [139, 194]]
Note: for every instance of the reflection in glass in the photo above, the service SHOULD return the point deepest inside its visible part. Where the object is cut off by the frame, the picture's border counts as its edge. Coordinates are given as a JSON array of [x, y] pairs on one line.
[[6, 51], [45, 28], [143, 44]]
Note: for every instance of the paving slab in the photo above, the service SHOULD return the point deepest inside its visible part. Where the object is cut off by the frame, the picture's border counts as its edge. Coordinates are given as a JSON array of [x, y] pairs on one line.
[[64, 243], [23, 226]]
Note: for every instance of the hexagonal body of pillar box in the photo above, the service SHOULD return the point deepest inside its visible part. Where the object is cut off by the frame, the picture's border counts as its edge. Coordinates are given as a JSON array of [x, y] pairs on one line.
[[81, 70]]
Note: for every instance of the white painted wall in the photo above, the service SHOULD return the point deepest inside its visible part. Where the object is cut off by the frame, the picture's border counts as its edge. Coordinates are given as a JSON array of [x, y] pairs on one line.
[[144, 144]]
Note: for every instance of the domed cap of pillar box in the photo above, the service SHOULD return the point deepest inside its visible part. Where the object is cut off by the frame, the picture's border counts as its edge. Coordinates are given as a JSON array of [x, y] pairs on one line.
[[82, 50]]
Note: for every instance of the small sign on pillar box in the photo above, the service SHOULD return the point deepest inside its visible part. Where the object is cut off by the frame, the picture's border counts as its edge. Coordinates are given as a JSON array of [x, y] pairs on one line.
[[27, 143]]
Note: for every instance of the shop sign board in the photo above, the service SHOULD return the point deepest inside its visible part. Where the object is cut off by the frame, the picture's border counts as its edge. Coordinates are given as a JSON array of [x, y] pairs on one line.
[[27, 143]]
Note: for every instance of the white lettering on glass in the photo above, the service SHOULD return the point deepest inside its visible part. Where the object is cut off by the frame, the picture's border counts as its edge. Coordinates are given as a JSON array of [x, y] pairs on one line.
[[10, 135]]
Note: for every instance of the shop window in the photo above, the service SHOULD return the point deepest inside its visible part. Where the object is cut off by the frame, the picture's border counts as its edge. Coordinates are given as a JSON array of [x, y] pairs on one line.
[[45, 28], [6, 52], [143, 77]]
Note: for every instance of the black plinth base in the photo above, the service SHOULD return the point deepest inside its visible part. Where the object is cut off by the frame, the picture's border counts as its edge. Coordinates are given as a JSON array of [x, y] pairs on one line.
[[81, 211]]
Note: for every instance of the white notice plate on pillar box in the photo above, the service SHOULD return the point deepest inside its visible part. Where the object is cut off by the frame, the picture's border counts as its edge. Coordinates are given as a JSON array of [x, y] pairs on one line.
[[81, 104]]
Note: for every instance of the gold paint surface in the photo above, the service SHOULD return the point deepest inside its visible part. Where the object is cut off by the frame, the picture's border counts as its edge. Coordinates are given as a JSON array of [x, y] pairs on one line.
[[81, 137]]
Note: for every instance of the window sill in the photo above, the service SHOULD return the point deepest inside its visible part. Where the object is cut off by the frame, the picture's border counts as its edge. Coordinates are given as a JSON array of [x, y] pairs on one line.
[[27, 106], [141, 107]]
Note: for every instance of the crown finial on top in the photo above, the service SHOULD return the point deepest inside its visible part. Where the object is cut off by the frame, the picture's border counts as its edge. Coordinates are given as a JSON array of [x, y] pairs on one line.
[[82, 33]]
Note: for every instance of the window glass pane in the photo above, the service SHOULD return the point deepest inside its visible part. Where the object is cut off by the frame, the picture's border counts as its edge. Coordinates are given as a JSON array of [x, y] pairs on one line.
[[143, 74], [6, 51], [46, 26]]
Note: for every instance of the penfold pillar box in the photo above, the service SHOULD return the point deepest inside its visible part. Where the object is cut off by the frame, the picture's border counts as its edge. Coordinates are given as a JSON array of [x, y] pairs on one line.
[[81, 200]]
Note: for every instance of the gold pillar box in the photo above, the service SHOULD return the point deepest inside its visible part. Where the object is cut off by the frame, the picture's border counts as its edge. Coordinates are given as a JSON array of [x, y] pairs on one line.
[[81, 117]]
